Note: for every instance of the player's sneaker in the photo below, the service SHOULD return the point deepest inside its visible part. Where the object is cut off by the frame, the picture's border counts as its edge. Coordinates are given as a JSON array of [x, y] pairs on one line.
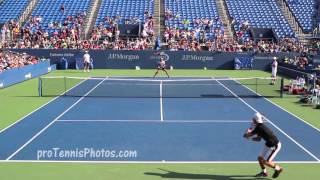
[[261, 174], [276, 173]]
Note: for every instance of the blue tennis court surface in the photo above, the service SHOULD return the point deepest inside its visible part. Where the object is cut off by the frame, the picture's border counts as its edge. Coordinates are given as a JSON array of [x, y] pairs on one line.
[[155, 120]]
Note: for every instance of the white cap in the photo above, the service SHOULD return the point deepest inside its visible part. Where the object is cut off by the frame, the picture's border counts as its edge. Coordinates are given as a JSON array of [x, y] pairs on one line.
[[257, 118]]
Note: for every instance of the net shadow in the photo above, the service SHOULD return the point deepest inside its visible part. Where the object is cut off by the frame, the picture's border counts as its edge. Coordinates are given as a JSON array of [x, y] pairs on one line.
[[178, 175]]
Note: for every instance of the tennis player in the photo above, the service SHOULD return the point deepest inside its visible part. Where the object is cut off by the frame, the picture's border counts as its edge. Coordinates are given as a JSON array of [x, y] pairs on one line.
[[258, 131], [161, 66], [274, 67], [86, 62]]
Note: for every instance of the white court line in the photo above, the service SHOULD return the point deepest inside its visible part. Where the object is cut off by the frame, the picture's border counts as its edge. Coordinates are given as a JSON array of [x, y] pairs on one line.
[[283, 109], [152, 162], [156, 121], [36, 135], [279, 129], [39, 108], [161, 102]]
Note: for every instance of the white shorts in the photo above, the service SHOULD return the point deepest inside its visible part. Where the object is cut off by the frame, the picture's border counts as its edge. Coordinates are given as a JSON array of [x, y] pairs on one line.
[[269, 153], [274, 73]]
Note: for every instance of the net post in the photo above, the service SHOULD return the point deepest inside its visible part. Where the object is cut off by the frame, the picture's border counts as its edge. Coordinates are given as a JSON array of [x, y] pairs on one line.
[[281, 87], [256, 86], [65, 86], [40, 87]]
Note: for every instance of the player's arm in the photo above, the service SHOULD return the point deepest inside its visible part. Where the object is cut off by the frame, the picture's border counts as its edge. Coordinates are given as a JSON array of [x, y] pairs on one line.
[[249, 133], [257, 138]]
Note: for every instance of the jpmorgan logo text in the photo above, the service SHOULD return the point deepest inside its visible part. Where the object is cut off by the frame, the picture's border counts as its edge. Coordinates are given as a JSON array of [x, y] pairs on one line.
[[123, 57]]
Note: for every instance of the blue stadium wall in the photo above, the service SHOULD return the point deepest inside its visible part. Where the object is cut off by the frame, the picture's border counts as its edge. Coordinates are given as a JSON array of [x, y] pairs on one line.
[[17, 75], [109, 59]]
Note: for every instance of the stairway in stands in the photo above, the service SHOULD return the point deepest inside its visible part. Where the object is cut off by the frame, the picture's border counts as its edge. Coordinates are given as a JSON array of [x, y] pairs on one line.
[[91, 18], [225, 19], [302, 37], [27, 12], [159, 13]]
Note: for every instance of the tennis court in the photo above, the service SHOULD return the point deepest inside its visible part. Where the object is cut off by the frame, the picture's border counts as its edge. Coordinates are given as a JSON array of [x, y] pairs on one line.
[[144, 120]]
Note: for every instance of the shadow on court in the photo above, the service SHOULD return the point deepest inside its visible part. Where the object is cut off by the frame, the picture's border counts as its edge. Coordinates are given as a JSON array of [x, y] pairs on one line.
[[177, 175]]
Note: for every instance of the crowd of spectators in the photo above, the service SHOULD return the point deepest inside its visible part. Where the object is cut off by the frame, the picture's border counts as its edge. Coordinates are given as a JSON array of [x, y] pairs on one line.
[[67, 34], [10, 60], [208, 34], [241, 30], [196, 40], [107, 34], [299, 61], [303, 61], [190, 35], [35, 34], [196, 35]]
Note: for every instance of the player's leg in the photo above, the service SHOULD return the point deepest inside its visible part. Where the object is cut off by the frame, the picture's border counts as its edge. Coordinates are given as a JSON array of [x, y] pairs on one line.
[[269, 161], [261, 161], [85, 67], [273, 80], [166, 72], [155, 74], [273, 77], [88, 66]]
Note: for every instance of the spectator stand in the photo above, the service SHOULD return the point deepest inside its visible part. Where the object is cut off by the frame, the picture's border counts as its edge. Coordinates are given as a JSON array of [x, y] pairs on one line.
[[12, 10], [304, 12], [124, 24], [258, 14], [191, 23]]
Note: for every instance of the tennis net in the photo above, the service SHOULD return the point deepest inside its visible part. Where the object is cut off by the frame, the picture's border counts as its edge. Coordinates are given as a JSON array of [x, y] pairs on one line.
[[155, 88]]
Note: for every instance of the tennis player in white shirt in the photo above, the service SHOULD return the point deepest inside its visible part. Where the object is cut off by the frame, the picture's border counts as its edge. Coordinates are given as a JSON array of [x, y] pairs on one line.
[[86, 62], [274, 67]]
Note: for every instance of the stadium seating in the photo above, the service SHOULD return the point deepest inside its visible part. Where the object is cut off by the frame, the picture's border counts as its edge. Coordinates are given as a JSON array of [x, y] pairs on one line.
[[50, 10], [303, 10], [12, 9], [126, 9], [191, 10], [260, 14]]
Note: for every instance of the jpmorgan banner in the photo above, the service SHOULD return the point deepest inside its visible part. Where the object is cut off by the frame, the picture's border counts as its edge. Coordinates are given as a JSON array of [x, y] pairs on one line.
[[120, 59]]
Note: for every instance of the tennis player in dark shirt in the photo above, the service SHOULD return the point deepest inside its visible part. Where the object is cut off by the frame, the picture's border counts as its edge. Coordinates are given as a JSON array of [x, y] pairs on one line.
[[271, 148], [161, 66]]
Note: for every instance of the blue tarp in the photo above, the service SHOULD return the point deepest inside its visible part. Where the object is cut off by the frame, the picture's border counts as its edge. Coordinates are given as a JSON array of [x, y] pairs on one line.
[[243, 62]]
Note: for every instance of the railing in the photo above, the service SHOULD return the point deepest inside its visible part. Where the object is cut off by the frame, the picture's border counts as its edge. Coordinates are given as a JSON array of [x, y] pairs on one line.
[[27, 11], [91, 17], [227, 18], [292, 18], [316, 32]]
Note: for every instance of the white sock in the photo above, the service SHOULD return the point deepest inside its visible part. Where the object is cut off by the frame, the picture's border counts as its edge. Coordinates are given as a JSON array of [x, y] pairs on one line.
[[277, 168], [264, 170]]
